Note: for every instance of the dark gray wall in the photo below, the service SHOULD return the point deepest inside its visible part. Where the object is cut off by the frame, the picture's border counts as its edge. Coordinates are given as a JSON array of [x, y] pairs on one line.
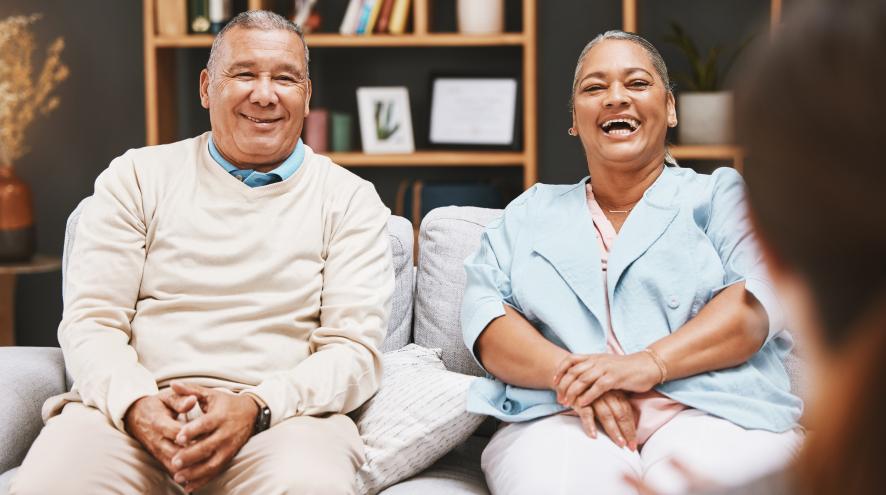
[[102, 111], [101, 115]]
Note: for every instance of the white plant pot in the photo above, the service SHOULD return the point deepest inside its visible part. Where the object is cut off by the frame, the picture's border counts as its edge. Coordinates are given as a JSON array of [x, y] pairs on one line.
[[481, 16], [705, 118]]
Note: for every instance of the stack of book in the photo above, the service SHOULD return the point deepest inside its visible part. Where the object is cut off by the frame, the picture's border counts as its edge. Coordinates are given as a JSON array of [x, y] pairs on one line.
[[375, 16]]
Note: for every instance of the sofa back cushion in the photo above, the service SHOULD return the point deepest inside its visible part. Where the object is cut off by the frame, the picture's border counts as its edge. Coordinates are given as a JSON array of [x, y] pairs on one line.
[[400, 235], [447, 236]]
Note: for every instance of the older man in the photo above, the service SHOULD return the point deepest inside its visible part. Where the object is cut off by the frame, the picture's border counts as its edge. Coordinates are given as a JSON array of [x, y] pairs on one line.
[[237, 271]]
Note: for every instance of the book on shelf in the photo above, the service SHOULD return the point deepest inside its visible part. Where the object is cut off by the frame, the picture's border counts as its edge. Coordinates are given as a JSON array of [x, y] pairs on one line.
[[373, 16], [365, 14], [303, 9], [172, 17], [384, 16], [351, 18], [316, 132], [399, 17], [198, 16]]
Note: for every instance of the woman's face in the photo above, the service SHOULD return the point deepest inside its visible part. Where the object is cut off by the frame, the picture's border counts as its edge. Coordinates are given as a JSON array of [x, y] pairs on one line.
[[622, 107]]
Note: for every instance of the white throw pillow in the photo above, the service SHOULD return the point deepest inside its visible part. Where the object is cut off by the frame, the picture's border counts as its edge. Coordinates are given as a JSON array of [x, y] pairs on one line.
[[417, 416]]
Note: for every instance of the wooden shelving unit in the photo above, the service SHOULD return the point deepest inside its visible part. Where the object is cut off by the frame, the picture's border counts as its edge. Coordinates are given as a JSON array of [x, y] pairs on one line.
[[160, 107], [683, 152]]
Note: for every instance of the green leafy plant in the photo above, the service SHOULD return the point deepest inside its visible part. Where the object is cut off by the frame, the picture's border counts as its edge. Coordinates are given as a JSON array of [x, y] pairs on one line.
[[384, 121], [707, 74]]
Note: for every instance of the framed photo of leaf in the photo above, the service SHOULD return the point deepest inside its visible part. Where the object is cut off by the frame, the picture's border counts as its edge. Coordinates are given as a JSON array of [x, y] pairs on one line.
[[385, 119]]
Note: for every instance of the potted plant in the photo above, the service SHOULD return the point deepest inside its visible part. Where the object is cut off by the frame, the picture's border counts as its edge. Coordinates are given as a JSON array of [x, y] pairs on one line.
[[704, 108], [21, 98]]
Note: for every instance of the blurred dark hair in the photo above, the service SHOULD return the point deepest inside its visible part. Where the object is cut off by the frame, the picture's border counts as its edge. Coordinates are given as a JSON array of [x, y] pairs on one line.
[[812, 114]]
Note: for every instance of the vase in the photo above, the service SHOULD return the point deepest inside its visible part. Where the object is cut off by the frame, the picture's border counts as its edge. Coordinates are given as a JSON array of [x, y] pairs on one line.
[[481, 16], [705, 118], [17, 241]]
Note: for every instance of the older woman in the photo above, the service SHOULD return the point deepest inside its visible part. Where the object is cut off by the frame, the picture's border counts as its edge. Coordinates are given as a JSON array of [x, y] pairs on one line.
[[634, 299]]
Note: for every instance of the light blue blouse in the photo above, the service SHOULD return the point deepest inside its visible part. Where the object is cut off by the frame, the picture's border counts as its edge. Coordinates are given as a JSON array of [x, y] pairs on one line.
[[687, 239]]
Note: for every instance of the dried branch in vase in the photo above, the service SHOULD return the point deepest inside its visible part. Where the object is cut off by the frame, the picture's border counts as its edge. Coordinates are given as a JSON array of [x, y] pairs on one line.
[[21, 96]]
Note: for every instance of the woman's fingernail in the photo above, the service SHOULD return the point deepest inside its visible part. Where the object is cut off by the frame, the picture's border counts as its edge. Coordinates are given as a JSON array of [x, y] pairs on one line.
[[179, 479], [177, 462]]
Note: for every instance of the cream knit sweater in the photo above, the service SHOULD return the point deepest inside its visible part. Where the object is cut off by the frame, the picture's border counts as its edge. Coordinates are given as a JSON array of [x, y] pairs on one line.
[[180, 271]]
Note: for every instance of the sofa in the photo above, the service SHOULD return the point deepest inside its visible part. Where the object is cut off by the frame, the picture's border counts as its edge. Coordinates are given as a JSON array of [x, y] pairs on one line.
[[425, 310]]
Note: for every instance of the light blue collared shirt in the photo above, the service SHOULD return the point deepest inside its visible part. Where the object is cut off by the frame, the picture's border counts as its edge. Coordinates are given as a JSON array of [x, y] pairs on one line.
[[254, 178], [687, 239]]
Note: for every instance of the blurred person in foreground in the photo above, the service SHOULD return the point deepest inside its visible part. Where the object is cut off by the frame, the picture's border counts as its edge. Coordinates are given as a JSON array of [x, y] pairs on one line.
[[811, 115]]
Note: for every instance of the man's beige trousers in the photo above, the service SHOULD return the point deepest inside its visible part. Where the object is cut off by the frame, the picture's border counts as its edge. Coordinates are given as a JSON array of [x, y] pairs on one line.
[[80, 452]]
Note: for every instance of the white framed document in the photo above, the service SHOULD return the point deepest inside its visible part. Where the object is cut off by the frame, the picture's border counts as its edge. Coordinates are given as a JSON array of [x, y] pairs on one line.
[[478, 111], [385, 120]]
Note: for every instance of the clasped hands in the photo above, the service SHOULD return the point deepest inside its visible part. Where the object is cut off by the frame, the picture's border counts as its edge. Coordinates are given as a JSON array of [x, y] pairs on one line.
[[195, 452], [594, 386]]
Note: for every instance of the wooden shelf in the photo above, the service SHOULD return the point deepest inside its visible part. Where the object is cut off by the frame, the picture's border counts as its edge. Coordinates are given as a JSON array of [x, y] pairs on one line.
[[375, 40], [162, 107], [715, 152], [431, 159], [712, 152]]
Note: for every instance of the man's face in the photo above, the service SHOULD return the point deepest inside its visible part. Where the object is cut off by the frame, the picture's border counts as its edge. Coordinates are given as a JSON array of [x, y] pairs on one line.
[[258, 96]]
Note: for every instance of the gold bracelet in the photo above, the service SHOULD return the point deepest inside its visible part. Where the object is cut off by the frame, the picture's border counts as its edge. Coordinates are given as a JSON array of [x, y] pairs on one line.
[[658, 362]]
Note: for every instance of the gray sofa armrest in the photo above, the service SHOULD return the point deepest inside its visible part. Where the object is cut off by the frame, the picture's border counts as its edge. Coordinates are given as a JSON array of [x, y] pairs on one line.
[[28, 376]]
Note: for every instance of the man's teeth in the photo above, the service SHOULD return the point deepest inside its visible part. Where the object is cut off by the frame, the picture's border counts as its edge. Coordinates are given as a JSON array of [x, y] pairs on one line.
[[258, 121]]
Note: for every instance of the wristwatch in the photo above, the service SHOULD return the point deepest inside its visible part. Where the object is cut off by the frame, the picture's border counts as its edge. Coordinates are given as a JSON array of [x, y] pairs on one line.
[[262, 420]]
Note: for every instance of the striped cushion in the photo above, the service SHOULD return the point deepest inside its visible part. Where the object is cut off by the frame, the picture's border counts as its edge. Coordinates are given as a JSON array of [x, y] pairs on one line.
[[417, 416]]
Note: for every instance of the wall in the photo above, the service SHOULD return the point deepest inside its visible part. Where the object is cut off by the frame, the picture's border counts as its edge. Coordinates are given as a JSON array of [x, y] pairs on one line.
[[102, 111]]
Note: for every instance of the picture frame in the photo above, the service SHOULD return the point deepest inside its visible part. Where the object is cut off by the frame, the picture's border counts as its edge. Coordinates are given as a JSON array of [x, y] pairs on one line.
[[385, 119], [475, 111]]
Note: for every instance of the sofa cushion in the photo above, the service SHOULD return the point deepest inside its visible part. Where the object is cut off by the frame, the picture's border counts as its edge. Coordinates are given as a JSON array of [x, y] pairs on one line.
[[458, 473], [28, 376], [399, 234], [402, 238], [417, 416], [448, 235]]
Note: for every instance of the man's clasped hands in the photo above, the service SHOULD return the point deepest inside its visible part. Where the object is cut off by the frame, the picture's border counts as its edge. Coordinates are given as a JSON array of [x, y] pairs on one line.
[[192, 451]]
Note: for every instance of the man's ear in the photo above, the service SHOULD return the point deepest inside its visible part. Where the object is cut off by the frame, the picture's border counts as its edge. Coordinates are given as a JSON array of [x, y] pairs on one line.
[[204, 89], [308, 99], [672, 110]]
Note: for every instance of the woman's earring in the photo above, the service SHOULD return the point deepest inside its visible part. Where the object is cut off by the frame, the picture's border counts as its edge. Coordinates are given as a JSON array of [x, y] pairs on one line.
[[572, 132]]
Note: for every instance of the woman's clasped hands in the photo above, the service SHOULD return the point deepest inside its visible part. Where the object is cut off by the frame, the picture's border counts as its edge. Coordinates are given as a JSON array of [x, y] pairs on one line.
[[596, 387]]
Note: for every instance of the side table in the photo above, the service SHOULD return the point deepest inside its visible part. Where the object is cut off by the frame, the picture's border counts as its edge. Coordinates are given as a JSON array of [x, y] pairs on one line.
[[8, 273]]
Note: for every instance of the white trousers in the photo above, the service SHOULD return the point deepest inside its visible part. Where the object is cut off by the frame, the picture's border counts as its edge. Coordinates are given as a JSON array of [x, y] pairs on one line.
[[554, 455]]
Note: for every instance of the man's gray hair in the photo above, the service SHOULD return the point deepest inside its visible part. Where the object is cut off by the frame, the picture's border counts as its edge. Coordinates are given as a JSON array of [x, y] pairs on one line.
[[654, 56], [262, 20]]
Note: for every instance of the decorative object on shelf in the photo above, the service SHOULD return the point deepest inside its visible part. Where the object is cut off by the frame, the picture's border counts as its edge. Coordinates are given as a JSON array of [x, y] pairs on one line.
[[704, 109], [316, 131], [219, 15], [21, 99], [481, 16], [198, 16], [172, 17], [385, 120], [475, 111], [341, 132]]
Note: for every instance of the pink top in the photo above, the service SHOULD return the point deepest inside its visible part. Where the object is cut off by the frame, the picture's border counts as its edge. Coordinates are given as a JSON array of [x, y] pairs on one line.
[[651, 409]]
